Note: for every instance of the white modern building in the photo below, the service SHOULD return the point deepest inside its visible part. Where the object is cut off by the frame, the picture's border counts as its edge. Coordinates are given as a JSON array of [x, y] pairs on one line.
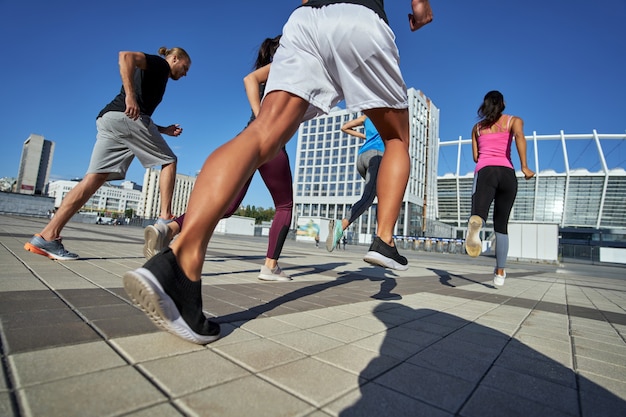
[[35, 165], [575, 196], [327, 183], [113, 199], [151, 201]]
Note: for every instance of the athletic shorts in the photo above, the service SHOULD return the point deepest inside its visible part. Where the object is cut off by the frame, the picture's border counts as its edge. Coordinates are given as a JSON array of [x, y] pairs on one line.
[[338, 52], [120, 139]]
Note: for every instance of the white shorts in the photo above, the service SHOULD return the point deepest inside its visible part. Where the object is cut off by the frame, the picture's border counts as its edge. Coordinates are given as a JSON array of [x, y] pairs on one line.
[[338, 52], [120, 139]]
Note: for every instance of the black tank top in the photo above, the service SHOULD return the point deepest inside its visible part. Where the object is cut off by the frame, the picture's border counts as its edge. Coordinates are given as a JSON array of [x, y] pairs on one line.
[[376, 5]]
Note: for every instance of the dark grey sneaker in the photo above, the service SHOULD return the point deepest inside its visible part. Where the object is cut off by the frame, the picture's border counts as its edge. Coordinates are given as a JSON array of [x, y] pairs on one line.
[[53, 249], [170, 299], [382, 254]]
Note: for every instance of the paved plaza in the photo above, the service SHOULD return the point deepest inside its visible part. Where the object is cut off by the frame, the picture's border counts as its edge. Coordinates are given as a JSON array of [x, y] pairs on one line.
[[342, 339]]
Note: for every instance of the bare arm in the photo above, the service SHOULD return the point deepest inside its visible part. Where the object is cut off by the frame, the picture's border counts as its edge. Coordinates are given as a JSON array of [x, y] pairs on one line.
[[520, 142], [251, 83], [475, 143], [128, 62], [350, 125], [422, 14]]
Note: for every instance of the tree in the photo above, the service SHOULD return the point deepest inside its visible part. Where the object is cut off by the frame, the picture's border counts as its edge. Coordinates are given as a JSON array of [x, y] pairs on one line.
[[258, 213]]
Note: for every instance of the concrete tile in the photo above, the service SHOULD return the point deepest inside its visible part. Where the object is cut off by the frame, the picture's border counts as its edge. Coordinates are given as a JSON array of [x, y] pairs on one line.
[[539, 343], [151, 346], [599, 402], [232, 335], [388, 346], [261, 400], [366, 323], [257, 355], [435, 388], [318, 413], [268, 327], [128, 387], [489, 402], [306, 341], [48, 365], [161, 410], [558, 334], [617, 388], [313, 388], [542, 391], [520, 358], [373, 400], [6, 405], [616, 346], [600, 355], [332, 314], [471, 369], [303, 320], [191, 372], [605, 369], [363, 362], [415, 337], [3, 379], [339, 331]]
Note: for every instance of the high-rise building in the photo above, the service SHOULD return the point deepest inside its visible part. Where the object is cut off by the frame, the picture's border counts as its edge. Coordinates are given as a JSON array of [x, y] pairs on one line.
[[35, 165], [151, 197], [327, 183]]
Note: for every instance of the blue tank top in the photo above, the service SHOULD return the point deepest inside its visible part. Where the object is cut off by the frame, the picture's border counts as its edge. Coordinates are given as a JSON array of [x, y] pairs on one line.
[[372, 138]]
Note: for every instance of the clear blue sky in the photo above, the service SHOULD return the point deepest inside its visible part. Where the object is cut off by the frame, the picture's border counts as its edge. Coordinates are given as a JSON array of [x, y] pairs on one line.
[[560, 66]]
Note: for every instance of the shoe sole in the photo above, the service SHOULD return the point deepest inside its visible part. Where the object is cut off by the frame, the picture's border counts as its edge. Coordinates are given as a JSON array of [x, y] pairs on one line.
[[146, 292], [331, 234], [34, 249], [153, 244], [265, 277], [473, 244], [375, 258]]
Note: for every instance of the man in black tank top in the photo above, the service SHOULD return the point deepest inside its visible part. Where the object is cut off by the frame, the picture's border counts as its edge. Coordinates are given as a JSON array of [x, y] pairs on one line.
[[125, 131]]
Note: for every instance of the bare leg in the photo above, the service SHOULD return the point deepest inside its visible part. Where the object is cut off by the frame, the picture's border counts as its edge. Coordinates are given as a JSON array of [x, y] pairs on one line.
[[73, 202], [227, 169], [166, 187], [393, 175]]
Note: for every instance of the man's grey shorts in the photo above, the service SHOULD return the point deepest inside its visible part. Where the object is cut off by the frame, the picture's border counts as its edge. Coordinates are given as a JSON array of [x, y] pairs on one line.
[[120, 139], [336, 52]]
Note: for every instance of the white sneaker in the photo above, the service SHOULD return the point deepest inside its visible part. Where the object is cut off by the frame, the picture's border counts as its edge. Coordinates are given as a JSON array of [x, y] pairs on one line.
[[275, 274], [156, 238], [498, 280], [473, 245]]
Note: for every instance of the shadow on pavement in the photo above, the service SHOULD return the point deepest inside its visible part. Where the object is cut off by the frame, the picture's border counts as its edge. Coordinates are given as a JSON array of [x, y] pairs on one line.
[[452, 366]]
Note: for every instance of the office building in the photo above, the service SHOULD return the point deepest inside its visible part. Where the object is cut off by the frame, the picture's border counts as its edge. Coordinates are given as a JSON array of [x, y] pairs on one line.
[[327, 183], [35, 165], [151, 200], [115, 200]]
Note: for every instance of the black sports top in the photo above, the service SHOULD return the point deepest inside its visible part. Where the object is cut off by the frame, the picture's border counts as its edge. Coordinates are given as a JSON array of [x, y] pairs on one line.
[[376, 5], [149, 87]]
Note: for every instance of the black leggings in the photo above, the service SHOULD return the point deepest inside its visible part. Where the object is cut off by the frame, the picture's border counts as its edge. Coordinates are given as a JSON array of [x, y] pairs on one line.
[[495, 183]]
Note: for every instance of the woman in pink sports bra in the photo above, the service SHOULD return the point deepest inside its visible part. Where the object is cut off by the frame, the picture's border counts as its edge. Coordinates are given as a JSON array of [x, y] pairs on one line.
[[494, 177]]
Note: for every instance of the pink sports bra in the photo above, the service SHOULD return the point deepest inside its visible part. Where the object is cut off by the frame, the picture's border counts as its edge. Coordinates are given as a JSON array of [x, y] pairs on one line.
[[494, 148]]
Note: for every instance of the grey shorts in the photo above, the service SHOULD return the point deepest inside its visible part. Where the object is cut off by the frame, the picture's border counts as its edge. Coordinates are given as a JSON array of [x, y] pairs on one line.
[[120, 139], [338, 52]]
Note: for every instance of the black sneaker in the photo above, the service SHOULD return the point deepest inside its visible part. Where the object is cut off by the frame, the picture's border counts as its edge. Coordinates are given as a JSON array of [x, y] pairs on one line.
[[382, 254], [172, 301]]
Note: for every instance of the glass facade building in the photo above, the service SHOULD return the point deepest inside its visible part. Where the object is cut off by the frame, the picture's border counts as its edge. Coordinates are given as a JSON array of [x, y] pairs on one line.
[[565, 192], [327, 183]]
